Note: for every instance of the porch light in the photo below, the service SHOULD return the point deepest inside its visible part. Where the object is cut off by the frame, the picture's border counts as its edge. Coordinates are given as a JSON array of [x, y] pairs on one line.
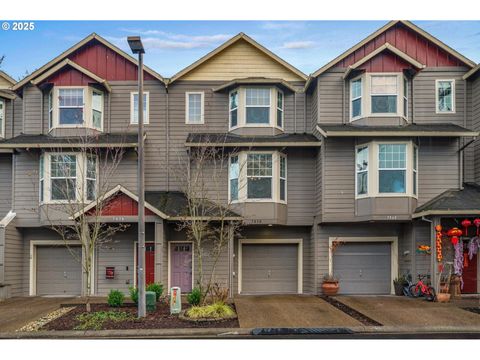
[[135, 43]]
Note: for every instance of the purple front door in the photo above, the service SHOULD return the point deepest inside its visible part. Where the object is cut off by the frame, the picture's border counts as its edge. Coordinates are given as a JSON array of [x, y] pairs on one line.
[[181, 266]]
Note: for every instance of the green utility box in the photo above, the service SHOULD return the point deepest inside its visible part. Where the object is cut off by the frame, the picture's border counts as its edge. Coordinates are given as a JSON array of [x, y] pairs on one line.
[[175, 300], [151, 301]]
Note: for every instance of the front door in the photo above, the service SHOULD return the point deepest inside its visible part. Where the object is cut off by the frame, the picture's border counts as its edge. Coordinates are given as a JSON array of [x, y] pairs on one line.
[[470, 276], [149, 263], [181, 266]]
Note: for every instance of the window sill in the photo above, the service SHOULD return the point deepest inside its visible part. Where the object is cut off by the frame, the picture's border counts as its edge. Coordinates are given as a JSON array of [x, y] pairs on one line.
[[386, 195]]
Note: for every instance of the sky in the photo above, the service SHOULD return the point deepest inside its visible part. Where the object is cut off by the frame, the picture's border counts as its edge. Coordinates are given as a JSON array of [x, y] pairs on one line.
[[173, 45]]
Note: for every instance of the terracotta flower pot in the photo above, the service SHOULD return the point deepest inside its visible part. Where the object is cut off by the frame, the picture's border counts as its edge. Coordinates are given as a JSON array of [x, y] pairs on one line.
[[330, 288], [443, 297]]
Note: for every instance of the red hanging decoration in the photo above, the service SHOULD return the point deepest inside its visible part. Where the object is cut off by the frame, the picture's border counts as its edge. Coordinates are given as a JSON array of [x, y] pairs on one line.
[[454, 233], [476, 222], [465, 260], [466, 224], [438, 242]]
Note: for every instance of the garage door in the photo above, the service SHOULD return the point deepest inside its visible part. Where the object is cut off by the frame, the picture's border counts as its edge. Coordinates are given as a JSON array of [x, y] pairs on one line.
[[58, 272], [269, 268], [363, 268]]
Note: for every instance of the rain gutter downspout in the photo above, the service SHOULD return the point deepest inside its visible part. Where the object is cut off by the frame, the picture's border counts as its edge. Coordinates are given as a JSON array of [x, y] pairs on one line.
[[295, 112], [167, 153]]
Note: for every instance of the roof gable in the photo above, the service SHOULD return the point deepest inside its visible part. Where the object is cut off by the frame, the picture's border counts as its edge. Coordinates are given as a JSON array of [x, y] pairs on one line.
[[240, 57], [6, 81]]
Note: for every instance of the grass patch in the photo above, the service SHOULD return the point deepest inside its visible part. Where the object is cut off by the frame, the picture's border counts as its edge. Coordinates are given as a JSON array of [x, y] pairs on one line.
[[95, 320], [218, 310]]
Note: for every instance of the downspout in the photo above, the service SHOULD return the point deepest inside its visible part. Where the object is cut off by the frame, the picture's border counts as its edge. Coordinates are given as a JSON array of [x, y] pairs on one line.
[[167, 123], [13, 117], [41, 113], [465, 126], [343, 101], [304, 114], [109, 112], [295, 112], [460, 165]]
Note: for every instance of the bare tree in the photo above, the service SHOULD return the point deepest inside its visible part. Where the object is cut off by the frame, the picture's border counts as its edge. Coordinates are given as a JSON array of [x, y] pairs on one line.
[[79, 184], [210, 221]]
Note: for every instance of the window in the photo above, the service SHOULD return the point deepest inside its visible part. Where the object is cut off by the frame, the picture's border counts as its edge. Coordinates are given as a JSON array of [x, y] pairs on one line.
[[257, 106], [362, 170], [283, 178], [70, 106], [91, 178], [97, 109], [63, 177], [50, 109], [194, 108], [392, 168], [259, 176], [234, 173], [2, 118], [383, 90], [356, 96], [415, 171], [134, 108], [234, 109], [405, 97], [279, 109], [41, 175], [445, 97]]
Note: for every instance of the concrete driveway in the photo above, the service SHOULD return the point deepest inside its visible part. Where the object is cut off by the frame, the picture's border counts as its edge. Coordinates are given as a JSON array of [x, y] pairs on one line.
[[289, 311], [16, 312], [400, 311]]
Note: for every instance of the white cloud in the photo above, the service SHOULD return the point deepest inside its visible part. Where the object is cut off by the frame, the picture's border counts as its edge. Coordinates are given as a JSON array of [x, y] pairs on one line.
[[291, 25], [298, 45]]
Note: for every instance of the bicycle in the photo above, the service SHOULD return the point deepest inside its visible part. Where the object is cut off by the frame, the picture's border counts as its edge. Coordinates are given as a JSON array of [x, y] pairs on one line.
[[421, 289]]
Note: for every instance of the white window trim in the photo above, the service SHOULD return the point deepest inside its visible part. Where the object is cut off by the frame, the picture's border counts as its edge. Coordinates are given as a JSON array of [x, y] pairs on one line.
[[242, 109], [81, 178], [230, 178], [202, 107], [3, 114], [54, 114], [87, 178], [406, 86], [415, 170], [146, 114], [362, 80], [366, 96], [102, 109], [437, 81], [373, 170], [243, 180], [357, 195], [282, 156], [50, 108], [232, 109]]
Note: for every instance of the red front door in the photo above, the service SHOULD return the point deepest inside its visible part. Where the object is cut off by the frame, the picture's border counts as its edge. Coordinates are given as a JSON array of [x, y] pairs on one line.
[[470, 277], [149, 263]]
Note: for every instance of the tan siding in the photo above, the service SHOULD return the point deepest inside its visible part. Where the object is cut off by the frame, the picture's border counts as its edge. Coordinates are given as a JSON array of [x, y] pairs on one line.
[[240, 60], [5, 184], [32, 98], [26, 187], [14, 260]]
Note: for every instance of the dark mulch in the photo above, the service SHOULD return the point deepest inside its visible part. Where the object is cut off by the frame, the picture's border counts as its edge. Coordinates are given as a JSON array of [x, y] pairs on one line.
[[475, 310], [365, 320], [160, 319]]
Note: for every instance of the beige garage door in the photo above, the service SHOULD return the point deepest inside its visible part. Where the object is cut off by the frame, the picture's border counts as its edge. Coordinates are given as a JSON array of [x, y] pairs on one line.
[[58, 272], [269, 268]]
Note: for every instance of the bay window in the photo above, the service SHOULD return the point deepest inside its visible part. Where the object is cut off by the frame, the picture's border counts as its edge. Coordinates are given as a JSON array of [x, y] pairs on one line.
[[445, 96], [233, 109], [280, 109], [68, 177], [2, 118], [386, 169], [70, 106], [97, 109], [383, 92], [356, 98], [258, 176], [257, 106]]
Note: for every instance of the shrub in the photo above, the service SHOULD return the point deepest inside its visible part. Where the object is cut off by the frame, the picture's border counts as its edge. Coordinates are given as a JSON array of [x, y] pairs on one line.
[[95, 320], [218, 293], [157, 288], [195, 297], [115, 298], [218, 310], [133, 294]]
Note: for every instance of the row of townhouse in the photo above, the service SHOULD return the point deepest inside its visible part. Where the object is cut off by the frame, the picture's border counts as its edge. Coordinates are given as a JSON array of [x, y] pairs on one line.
[[370, 152]]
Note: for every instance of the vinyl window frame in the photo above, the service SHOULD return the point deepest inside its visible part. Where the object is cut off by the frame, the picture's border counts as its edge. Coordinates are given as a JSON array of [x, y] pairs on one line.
[[367, 171], [232, 109], [397, 93], [51, 178], [352, 99], [405, 169], [437, 102], [3, 115], [84, 106], [202, 107], [102, 108], [146, 112]]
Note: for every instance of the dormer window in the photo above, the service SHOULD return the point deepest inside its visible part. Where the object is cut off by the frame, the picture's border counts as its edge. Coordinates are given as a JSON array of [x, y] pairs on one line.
[[75, 107], [256, 107]]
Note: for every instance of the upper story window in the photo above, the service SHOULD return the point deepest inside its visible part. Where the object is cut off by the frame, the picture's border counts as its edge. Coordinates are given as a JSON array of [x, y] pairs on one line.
[[73, 107], [258, 176], [194, 105], [445, 96], [386, 169], [256, 107], [134, 108], [2, 118], [378, 95], [68, 177]]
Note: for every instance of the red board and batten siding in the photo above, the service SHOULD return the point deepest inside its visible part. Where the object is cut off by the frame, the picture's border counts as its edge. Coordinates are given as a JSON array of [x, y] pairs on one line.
[[121, 205], [100, 60], [407, 41]]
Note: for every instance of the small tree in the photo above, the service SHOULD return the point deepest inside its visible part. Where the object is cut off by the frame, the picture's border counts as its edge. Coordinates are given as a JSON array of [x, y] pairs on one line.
[[96, 167], [210, 221]]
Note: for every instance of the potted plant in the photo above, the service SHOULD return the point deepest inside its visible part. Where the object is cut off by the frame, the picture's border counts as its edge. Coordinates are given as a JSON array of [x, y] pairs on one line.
[[398, 284], [330, 285]]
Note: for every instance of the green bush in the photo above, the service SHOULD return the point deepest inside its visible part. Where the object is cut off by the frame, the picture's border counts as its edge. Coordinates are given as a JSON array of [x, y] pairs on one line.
[[157, 288], [115, 298], [133, 294], [95, 320], [219, 310], [195, 297]]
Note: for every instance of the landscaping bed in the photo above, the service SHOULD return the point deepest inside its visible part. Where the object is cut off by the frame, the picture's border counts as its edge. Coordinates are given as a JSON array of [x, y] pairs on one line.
[[365, 320], [104, 317]]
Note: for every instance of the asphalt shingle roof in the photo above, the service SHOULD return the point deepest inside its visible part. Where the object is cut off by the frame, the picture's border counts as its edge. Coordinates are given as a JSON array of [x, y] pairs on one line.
[[42, 140], [454, 200], [230, 139]]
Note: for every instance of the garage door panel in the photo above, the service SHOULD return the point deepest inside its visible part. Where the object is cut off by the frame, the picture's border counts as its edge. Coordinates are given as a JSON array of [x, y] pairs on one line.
[[363, 268], [269, 268]]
